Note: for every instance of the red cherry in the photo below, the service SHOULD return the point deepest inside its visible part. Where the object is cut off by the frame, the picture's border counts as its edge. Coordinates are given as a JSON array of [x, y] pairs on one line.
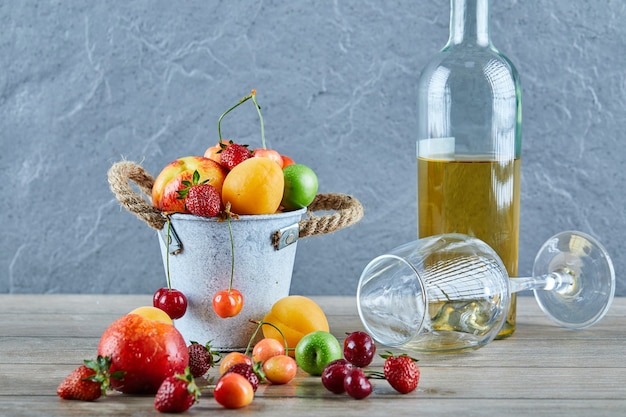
[[359, 349], [172, 301], [227, 303], [334, 374], [356, 384]]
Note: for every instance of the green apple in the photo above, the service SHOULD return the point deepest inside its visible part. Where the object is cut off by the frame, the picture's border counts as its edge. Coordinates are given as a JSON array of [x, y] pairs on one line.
[[316, 350]]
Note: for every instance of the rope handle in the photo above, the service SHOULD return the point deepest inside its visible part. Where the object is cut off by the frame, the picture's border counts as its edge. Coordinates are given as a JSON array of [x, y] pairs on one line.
[[347, 210]]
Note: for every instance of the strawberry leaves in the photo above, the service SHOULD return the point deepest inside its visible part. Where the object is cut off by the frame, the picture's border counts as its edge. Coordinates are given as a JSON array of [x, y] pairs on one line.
[[195, 180], [201, 198], [89, 381]]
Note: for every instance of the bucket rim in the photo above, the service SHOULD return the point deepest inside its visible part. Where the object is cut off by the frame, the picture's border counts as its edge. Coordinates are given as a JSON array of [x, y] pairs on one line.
[[246, 217]]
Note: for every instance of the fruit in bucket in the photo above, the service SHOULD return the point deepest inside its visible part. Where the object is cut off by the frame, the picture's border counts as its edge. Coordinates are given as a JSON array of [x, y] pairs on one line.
[[232, 154], [213, 152], [147, 347], [201, 198], [269, 154], [300, 186], [287, 161], [294, 317], [166, 187], [253, 182], [255, 186]]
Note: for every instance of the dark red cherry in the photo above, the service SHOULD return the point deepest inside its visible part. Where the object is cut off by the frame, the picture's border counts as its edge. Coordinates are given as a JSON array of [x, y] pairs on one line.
[[356, 384], [172, 301], [359, 349], [333, 375]]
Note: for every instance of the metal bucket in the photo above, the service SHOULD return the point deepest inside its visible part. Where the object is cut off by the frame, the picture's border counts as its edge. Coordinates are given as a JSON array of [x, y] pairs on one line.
[[200, 265], [200, 254]]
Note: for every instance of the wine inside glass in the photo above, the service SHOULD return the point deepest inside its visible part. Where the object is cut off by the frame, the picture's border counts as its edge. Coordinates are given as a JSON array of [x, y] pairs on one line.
[[451, 293]]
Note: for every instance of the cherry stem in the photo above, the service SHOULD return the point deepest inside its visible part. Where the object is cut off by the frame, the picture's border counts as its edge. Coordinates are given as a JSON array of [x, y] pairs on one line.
[[259, 325], [219, 121], [252, 96], [258, 110], [232, 251], [167, 253], [374, 374]]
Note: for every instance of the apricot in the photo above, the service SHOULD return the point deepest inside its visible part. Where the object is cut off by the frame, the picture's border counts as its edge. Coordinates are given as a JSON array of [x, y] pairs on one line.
[[254, 186], [153, 313], [295, 316]]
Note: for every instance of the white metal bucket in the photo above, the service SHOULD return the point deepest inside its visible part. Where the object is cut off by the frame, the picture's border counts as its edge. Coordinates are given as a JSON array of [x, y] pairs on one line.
[[200, 254], [200, 266]]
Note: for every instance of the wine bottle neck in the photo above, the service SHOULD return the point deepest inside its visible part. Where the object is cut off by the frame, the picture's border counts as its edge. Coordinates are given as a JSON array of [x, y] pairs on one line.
[[469, 22]]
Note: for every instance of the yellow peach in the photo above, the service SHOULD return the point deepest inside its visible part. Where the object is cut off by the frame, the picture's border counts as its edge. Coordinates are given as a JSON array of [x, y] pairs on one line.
[[295, 316], [254, 186], [153, 313]]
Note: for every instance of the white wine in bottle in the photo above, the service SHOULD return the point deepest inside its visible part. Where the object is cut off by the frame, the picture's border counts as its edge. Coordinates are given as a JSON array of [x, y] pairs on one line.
[[469, 140]]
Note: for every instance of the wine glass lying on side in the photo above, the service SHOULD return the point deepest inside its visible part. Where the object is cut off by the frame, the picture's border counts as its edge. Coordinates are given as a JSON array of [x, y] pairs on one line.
[[451, 293]]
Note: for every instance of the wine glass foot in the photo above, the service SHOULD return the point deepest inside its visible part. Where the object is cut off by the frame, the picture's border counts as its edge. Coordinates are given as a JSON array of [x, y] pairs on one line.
[[583, 263]]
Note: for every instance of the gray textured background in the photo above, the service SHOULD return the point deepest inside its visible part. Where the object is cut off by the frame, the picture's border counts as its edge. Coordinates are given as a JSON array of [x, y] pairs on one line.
[[85, 84]]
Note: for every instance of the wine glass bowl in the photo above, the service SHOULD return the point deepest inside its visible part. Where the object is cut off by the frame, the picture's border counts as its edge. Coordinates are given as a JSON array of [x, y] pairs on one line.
[[451, 293], [444, 293]]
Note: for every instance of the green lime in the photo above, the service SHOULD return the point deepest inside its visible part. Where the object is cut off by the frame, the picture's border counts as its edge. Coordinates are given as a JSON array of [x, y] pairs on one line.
[[300, 186]]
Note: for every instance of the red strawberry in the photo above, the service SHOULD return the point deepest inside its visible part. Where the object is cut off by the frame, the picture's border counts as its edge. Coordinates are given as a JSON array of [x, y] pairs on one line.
[[177, 393], [201, 199], [204, 200], [401, 372], [89, 381], [200, 358], [251, 373], [232, 154]]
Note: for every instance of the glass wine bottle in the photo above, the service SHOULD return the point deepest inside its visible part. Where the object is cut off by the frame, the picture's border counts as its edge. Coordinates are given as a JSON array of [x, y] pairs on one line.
[[469, 143]]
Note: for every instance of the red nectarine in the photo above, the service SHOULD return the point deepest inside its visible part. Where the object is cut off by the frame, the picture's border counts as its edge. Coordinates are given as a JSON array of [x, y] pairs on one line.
[[170, 181], [147, 350]]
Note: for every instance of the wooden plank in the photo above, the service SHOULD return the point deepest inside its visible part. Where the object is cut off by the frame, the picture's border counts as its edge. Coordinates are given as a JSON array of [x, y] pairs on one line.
[[118, 304], [535, 353], [506, 382], [88, 304], [48, 350], [340, 405]]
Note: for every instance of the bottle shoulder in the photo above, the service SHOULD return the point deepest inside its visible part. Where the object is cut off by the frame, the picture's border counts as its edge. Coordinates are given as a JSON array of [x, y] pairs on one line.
[[468, 70], [470, 60]]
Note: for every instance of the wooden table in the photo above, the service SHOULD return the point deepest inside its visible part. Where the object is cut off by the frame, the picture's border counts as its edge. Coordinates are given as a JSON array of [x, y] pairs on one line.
[[541, 370]]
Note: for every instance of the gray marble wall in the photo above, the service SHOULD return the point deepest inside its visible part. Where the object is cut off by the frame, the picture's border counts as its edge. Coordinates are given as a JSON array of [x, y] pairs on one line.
[[84, 84]]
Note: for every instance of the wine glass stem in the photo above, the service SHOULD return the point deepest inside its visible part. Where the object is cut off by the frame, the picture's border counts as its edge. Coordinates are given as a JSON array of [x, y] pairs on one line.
[[555, 281]]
